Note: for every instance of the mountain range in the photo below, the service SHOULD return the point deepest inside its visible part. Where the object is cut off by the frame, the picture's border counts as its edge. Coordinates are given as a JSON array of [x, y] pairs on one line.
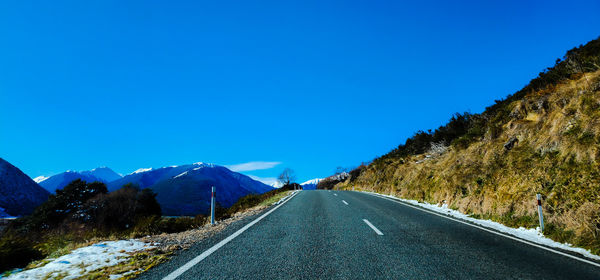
[[181, 190], [186, 189], [19, 195], [59, 181]]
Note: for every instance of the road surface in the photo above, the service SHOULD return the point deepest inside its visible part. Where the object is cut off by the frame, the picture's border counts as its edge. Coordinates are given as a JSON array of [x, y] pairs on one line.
[[351, 235]]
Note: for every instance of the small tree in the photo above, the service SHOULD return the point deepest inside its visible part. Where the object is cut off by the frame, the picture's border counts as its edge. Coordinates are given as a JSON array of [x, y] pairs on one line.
[[66, 204], [287, 176], [122, 208], [340, 170]]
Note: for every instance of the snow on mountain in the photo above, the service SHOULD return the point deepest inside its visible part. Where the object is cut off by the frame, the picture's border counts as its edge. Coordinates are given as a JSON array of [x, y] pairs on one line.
[[104, 173], [59, 181], [311, 184], [312, 181], [19, 195], [146, 177], [186, 189], [39, 179], [142, 170], [184, 173]]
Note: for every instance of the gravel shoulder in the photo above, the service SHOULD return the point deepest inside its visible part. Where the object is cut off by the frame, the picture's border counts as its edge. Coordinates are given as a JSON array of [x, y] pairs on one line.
[[186, 245]]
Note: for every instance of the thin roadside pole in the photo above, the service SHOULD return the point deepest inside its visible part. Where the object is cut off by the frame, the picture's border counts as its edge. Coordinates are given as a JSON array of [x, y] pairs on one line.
[[541, 216], [212, 206], [530, 243], [216, 247]]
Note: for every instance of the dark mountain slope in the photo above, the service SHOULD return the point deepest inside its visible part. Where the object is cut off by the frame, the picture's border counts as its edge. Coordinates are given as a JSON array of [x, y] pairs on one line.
[[19, 195], [186, 189]]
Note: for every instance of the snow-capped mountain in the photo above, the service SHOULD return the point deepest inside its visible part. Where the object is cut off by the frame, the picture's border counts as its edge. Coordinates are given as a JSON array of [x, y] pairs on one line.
[[186, 189], [146, 177], [103, 173], [58, 181], [311, 184], [39, 179], [19, 195]]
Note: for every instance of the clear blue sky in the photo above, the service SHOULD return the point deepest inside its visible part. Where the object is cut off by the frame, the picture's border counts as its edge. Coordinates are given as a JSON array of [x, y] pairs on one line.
[[311, 84]]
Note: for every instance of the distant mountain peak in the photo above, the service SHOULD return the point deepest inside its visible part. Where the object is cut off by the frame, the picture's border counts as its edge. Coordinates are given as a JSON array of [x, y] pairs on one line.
[[203, 165], [311, 184], [99, 174], [100, 168]]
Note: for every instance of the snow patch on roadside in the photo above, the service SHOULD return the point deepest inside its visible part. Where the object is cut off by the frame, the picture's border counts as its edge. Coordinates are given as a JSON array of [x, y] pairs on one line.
[[529, 234], [84, 260]]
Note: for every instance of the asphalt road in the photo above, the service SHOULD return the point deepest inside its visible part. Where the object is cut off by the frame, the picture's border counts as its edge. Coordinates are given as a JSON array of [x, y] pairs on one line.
[[323, 235]]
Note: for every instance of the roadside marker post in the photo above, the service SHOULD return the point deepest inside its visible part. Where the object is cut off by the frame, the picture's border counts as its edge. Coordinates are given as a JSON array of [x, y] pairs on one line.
[[539, 205], [212, 206]]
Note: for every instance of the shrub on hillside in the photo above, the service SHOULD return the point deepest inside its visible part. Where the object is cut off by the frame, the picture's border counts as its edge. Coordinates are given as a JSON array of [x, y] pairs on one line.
[[179, 224], [464, 129], [65, 204], [16, 251], [252, 200], [122, 208], [327, 183], [156, 225], [354, 173], [245, 202], [78, 212]]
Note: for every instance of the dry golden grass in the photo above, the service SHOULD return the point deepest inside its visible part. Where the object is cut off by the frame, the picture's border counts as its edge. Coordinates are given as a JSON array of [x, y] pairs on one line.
[[557, 155]]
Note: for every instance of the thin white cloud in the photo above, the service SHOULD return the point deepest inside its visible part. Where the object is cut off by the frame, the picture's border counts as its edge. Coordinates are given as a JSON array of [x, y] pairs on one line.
[[253, 165]]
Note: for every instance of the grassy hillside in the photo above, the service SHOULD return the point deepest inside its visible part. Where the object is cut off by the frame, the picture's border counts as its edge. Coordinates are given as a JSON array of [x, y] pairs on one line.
[[543, 139]]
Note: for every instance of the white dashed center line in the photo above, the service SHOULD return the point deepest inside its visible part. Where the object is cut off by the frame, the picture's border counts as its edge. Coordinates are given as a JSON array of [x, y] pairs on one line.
[[345, 202], [335, 194], [373, 227]]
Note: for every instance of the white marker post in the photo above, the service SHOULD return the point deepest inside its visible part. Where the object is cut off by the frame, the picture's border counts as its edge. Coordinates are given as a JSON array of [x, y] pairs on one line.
[[539, 203], [212, 206]]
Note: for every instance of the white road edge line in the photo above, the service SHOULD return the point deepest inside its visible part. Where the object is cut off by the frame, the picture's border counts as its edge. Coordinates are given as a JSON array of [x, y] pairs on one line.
[[490, 231], [345, 202], [216, 247], [373, 227]]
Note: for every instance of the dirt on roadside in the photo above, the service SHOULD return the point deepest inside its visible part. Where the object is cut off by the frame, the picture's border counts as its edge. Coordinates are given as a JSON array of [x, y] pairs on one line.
[[170, 242]]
